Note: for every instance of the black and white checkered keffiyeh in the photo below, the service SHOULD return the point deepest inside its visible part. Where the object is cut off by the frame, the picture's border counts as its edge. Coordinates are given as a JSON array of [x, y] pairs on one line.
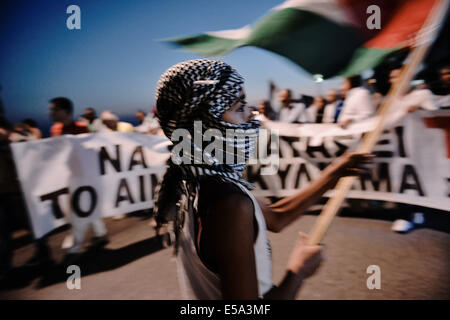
[[201, 90]]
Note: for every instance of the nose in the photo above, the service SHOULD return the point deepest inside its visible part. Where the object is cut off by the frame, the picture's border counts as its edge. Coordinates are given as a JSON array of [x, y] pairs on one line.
[[249, 113]]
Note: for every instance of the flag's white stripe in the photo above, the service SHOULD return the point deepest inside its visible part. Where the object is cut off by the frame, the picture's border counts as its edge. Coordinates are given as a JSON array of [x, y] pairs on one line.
[[234, 34], [329, 9], [326, 8]]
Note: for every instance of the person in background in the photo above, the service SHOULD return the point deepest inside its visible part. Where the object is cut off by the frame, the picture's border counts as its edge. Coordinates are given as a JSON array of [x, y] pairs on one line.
[[357, 104], [332, 102], [111, 123], [442, 94], [61, 113], [9, 191], [291, 111], [265, 111], [149, 125], [315, 112], [12, 204], [417, 98], [32, 126], [90, 119], [140, 115], [21, 133]]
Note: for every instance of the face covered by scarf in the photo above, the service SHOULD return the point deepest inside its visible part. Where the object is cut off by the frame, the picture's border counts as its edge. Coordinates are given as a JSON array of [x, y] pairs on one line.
[[189, 92]]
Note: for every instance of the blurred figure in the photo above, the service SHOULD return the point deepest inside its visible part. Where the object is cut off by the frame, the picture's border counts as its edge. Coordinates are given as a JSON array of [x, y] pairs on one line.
[[316, 111], [111, 123], [140, 115], [32, 126], [10, 194], [357, 104], [415, 99], [61, 112], [90, 119], [265, 111], [21, 133], [421, 84], [377, 99], [149, 125], [291, 111], [332, 101], [442, 96], [9, 190], [12, 203]]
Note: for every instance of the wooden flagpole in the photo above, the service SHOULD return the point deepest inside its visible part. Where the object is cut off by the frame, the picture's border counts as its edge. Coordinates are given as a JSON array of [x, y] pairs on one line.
[[425, 38]]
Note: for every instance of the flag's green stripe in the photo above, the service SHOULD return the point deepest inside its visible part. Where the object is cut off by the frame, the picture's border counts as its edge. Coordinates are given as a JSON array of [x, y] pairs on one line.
[[365, 58], [207, 45], [317, 44]]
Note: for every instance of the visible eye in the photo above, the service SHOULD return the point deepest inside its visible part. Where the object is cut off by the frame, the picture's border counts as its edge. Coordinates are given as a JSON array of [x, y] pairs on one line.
[[241, 108]]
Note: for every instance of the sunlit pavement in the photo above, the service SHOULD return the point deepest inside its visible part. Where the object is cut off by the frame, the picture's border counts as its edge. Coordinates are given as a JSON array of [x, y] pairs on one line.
[[135, 265]]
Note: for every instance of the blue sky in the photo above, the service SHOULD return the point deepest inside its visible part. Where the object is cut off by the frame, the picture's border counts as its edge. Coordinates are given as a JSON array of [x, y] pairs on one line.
[[115, 60]]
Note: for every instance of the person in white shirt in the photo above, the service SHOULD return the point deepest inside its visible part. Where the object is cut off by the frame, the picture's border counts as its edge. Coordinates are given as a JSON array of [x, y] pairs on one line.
[[315, 112], [291, 112], [111, 123], [415, 99], [148, 125], [358, 103], [90, 119]]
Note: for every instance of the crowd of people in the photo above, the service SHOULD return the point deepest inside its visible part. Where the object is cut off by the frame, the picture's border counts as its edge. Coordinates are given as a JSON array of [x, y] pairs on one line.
[[355, 101], [12, 207], [61, 113]]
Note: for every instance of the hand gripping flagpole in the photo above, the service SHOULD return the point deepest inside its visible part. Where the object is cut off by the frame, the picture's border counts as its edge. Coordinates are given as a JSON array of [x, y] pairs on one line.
[[424, 39]]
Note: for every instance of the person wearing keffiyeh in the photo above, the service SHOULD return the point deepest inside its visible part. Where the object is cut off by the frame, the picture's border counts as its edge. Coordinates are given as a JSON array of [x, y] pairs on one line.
[[221, 229]]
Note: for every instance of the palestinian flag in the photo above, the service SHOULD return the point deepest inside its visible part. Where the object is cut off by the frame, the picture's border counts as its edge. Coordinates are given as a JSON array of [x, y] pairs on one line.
[[328, 37]]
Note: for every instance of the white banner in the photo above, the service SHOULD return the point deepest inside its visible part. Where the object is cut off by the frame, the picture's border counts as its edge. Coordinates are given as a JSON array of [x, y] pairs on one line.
[[88, 176], [100, 175], [412, 164]]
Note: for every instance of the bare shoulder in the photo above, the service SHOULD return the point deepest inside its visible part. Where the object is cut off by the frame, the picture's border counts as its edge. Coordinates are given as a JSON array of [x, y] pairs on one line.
[[228, 227], [224, 202]]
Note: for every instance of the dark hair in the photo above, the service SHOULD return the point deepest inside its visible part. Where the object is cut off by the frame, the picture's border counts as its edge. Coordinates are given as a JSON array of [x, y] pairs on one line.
[[31, 122], [63, 104], [268, 110], [355, 81], [445, 66]]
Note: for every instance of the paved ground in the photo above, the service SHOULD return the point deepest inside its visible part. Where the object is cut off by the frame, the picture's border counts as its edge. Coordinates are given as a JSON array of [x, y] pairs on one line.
[[135, 265]]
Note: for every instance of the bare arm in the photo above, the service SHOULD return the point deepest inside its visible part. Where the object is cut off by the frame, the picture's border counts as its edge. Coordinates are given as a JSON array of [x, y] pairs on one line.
[[228, 240], [283, 212]]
